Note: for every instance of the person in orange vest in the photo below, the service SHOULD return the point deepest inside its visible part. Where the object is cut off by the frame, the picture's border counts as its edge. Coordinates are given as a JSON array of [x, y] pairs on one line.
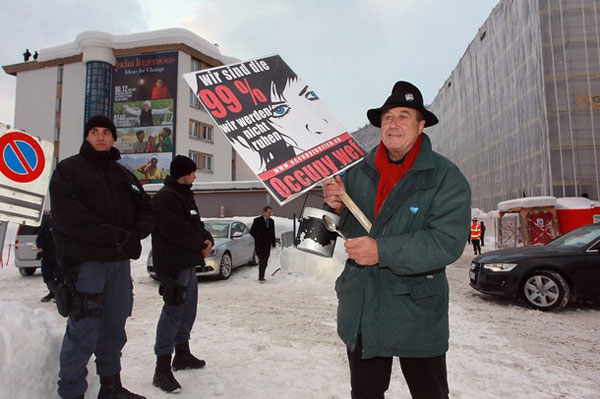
[[475, 236]]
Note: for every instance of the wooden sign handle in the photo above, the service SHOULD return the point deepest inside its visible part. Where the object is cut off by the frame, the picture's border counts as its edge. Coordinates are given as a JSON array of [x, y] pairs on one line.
[[358, 214]]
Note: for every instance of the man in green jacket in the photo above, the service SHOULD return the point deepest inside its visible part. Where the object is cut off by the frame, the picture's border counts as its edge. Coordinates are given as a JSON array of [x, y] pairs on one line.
[[393, 292]]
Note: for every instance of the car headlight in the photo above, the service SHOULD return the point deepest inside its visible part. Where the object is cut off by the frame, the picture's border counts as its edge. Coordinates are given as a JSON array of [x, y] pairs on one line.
[[213, 252], [499, 267]]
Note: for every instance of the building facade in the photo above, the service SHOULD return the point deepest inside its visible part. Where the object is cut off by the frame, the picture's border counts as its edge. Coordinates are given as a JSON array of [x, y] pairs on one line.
[[137, 81], [520, 112]]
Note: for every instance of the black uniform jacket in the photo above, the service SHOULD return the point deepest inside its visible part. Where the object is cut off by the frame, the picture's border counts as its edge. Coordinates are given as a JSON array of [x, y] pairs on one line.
[[44, 238], [264, 237], [178, 240], [99, 209]]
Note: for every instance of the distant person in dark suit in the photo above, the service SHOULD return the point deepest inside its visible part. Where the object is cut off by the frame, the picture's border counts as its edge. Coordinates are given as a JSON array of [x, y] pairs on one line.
[[263, 231], [482, 226]]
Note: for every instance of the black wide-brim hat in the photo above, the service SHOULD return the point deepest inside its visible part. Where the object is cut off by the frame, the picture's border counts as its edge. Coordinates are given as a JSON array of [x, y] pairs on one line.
[[407, 95]]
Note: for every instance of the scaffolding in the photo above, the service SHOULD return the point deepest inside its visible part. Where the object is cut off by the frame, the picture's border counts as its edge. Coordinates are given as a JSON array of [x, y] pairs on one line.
[[518, 113]]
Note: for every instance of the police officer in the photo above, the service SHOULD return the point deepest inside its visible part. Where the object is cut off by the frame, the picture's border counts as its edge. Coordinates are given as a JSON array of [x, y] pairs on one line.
[[100, 214], [179, 243]]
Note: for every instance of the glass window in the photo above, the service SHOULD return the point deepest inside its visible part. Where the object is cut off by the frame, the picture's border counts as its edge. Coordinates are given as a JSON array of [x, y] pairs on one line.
[[203, 161], [194, 102], [97, 89], [206, 162], [201, 131], [217, 230], [236, 228], [193, 155]]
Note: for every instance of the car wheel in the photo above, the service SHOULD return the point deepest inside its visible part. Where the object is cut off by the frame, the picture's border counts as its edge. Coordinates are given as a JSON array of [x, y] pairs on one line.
[[27, 271], [546, 290], [254, 260], [225, 266]]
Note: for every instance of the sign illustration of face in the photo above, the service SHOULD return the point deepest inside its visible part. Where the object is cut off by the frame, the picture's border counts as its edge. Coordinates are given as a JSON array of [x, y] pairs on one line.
[[299, 114]]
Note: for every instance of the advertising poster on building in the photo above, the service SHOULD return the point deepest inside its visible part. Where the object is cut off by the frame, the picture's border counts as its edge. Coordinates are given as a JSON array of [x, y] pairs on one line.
[[144, 93], [277, 123]]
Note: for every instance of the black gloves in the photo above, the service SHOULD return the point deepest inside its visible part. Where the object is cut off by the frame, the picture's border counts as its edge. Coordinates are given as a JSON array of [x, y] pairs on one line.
[[129, 243]]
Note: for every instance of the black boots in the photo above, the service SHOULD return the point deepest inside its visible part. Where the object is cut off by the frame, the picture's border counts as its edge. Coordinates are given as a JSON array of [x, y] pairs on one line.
[[184, 359], [48, 297], [111, 388], [163, 376]]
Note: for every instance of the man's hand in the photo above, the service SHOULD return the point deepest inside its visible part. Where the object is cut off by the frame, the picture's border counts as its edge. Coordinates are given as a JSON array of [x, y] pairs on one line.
[[363, 250], [208, 248], [332, 189]]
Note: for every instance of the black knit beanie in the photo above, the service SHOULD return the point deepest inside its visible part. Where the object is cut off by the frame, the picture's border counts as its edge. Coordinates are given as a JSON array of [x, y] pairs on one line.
[[181, 166], [100, 121]]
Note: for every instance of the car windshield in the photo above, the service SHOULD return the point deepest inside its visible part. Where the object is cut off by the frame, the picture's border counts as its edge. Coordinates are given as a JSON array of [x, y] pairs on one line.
[[218, 230], [577, 238]]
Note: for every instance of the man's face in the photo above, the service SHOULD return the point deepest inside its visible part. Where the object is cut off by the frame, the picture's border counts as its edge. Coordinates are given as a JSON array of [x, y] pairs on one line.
[[140, 137], [400, 130], [100, 138], [189, 178], [268, 213]]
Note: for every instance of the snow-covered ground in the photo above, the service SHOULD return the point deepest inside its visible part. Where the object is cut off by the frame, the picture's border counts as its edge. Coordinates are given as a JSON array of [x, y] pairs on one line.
[[278, 339]]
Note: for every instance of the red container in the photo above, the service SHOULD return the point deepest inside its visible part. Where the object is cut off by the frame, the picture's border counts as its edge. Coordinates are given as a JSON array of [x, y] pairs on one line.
[[570, 219], [573, 213]]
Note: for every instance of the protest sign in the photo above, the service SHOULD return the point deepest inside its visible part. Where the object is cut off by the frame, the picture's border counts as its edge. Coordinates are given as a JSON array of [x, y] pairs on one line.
[[277, 123]]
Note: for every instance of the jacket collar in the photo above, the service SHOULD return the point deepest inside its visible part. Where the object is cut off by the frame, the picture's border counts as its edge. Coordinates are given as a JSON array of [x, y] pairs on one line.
[[99, 157], [184, 189]]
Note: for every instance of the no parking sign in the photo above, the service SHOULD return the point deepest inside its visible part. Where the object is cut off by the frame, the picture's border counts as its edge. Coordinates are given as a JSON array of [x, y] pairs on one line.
[[25, 166]]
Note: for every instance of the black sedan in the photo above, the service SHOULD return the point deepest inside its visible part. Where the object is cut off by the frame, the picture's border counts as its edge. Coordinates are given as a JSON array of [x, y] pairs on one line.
[[545, 277]]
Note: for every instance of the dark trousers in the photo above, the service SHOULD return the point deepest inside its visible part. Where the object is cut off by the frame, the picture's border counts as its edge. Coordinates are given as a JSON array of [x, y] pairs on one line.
[[104, 337], [370, 378], [263, 257], [175, 322], [51, 273], [476, 247]]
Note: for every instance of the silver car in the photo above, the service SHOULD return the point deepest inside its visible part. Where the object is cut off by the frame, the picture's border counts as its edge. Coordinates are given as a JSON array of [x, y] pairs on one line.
[[26, 259], [234, 247]]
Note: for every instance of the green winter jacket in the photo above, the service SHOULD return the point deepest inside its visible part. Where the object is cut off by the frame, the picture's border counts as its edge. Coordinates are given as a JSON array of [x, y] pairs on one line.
[[400, 305]]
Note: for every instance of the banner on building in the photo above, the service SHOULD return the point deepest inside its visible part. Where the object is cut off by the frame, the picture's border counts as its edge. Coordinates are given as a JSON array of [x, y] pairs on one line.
[[277, 123], [144, 101]]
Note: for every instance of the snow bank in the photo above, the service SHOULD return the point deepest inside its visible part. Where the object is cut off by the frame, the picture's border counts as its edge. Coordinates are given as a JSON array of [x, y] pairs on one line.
[[527, 202], [30, 341], [574, 203]]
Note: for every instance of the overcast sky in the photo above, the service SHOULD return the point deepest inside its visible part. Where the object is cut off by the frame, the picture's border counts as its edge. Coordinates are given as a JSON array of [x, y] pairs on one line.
[[351, 52]]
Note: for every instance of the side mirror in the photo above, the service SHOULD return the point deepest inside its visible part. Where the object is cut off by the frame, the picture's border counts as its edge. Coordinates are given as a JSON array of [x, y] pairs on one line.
[[237, 234]]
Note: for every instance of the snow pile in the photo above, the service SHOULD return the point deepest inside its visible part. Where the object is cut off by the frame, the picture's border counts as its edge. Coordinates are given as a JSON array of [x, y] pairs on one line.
[[574, 203], [30, 341], [298, 263], [277, 339], [527, 202]]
